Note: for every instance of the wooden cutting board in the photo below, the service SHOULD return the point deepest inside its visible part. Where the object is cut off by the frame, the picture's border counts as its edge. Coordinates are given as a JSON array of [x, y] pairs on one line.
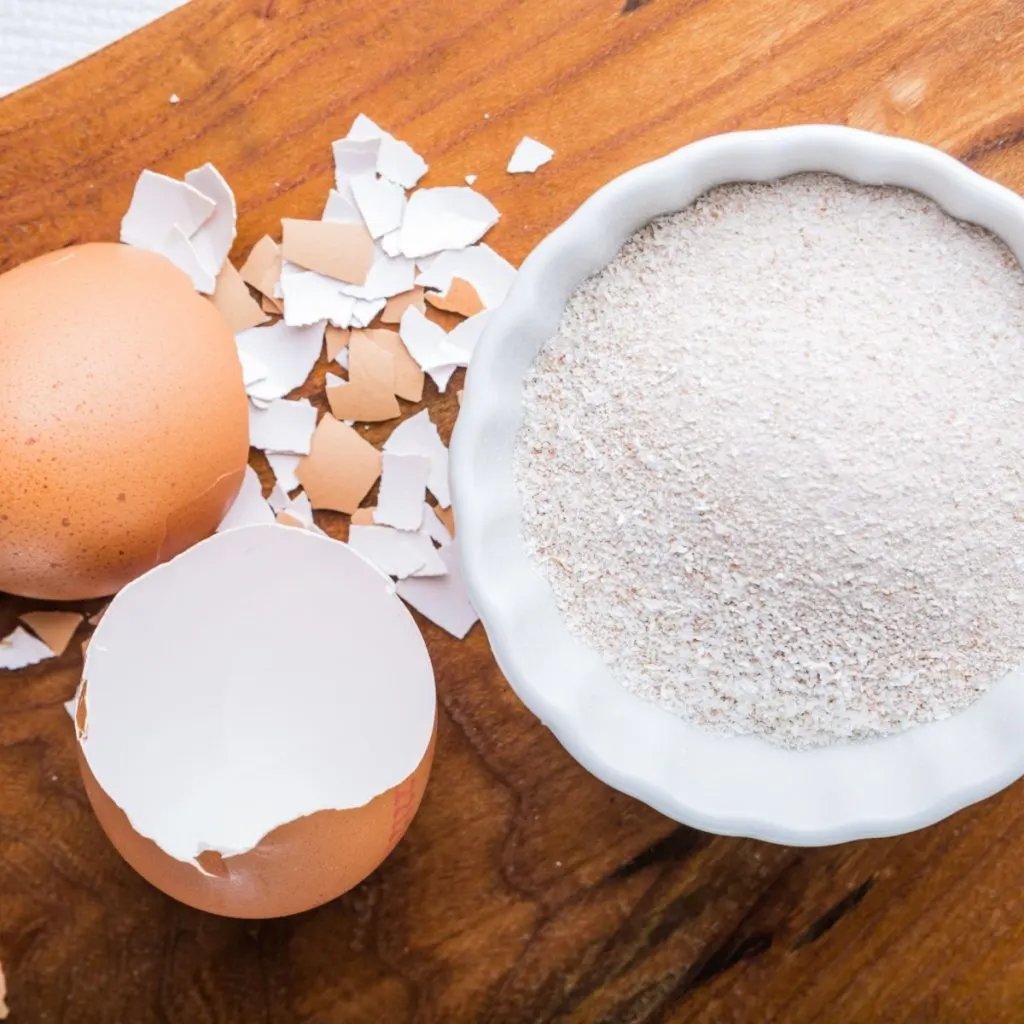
[[526, 891]]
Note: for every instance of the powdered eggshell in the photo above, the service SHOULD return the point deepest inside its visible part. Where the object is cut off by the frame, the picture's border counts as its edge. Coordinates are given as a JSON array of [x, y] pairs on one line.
[[123, 419]]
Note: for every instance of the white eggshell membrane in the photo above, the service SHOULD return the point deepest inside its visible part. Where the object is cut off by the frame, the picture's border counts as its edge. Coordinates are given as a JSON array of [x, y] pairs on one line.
[[265, 674]]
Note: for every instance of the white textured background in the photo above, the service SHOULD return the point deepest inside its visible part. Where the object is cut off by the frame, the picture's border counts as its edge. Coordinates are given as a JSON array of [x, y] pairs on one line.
[[38, 37]]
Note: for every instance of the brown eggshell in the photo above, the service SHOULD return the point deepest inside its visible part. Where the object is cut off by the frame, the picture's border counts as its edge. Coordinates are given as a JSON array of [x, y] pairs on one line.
[[296, 867], [123, 420]]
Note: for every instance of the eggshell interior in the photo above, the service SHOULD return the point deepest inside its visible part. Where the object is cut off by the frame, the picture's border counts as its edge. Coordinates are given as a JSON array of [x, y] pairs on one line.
[[263, 694], [123, 419]]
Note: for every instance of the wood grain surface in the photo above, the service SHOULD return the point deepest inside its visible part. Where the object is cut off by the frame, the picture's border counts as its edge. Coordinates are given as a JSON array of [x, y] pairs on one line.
[[526, 891]]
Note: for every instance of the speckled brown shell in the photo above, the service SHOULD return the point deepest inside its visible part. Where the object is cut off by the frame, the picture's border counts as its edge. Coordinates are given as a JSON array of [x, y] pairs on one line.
[[123, 420], [296, 867]]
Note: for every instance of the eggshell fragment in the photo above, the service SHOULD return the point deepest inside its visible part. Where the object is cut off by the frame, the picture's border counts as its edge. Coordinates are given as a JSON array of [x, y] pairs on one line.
[[398, 304], [463, 337], [396, 160], [365, 311], [159, 202], [391, 243], [341, 208], [176, 247], [21, 649], [426, 263], [288, 353], [364, 129], [336, 250], [335, 340], [442, 599], [250, 508], [436, 524], [422, 337], [399, 162], [311, 298], [369, 394], [55, 629], [300, 511], [236, 305], [214, 238], [313, 765], [529, 155], [387, 276], [283, 466], [362, 403], [418, 436], [408, 377], [445, 218], [340, 468], [381, 203], [431, 523], [284, 426], [192, 222], [403, 484], [354, 158], [277, 499], [262, 269], [369, 362], [123, 419], [490, 275], [461, 297], [428, 344], [447, 517], [396, 552], [253, 371]]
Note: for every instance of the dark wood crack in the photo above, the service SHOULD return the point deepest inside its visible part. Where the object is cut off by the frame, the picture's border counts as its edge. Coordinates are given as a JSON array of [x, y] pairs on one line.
[[678, 846], [834, 914]]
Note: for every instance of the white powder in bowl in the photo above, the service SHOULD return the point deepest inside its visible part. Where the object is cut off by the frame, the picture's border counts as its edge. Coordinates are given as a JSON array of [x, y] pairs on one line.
[[772, 461]]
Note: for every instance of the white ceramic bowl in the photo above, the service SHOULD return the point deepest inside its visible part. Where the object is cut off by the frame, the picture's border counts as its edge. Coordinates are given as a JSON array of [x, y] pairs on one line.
[[735, 786]]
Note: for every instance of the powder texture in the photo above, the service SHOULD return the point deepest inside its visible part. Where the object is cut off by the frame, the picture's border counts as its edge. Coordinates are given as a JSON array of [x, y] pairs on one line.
[[772, 461]]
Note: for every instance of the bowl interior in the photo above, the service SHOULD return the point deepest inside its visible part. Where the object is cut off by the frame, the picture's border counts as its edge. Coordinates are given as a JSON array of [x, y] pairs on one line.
[[731, 785]]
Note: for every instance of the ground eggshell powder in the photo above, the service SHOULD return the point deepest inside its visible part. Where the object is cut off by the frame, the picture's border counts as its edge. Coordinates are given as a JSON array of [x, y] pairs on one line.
[[771, 461]]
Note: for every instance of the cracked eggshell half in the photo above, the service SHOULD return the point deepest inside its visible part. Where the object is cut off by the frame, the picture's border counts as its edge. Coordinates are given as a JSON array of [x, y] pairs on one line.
[[256, 722], [123, 419]]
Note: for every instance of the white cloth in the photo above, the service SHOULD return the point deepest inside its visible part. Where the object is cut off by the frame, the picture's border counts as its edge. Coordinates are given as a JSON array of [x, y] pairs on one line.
[[38, 37]]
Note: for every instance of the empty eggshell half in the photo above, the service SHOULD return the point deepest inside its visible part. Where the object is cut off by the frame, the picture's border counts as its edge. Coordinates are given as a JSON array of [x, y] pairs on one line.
[[256, 722]]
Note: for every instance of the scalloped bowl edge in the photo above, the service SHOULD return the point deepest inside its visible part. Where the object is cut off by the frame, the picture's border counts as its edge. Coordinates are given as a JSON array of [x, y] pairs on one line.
[[728, 785]]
